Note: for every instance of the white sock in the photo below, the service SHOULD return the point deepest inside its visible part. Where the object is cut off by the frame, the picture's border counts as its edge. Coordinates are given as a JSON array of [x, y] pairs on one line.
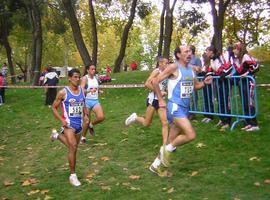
[[90, 125], [170, 148], [156, 162], [82, 138], [73, 174], [56, 135]]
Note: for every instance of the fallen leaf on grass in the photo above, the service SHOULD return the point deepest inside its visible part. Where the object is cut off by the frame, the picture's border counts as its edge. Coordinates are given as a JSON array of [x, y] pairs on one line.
[[24, 172], [200, 145], [1, 159], [47, 197], [8, 183], [135, 189], [255, 158], [30, 181], [171, 190], [195, 173], [91, 157], [126, 184], [123, 140], [90, 175], [108, 188], [2, 147], [100, 144], [125, 169], [33, 192], [95, 163], [235, 198], [29, 148], [105, 158], [267, 181], [257, 184], [44, 191], [134, 177]]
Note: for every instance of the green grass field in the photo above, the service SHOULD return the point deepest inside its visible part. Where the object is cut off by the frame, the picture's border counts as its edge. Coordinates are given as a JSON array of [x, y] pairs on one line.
[[114, 163]]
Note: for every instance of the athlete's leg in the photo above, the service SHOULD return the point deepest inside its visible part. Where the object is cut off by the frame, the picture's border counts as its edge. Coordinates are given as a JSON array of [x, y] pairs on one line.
[[148, 116], [97, 109], [72, 141], [163, 119], [86, 121], [183, 125]]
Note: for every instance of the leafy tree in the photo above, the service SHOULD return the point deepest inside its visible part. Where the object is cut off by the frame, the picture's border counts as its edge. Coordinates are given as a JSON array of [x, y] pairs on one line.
[[119, 59], [7, 9], [77, 35], [248, 21]]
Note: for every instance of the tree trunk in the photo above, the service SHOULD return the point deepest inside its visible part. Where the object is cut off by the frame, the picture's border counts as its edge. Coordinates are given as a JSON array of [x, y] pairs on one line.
[[35, 19], [94, 32], [4, 41], [10, 63], [168, 28], [161, 30], [119, 59], [218, 21], [77, 32]]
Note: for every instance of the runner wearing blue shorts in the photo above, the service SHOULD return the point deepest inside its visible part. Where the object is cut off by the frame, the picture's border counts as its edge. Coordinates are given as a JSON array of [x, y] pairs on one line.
[[71, 100], [91, 88], [181, 83]]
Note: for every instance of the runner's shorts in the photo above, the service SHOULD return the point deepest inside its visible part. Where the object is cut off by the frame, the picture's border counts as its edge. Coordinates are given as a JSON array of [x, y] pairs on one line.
[[176, 111]]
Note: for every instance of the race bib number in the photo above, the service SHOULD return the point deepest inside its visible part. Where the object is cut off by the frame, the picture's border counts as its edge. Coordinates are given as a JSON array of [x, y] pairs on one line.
[[186, 89], [75, 109]]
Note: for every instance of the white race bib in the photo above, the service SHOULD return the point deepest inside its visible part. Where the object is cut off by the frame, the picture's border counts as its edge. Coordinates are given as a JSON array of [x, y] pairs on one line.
[[75, 109], [186, 89]]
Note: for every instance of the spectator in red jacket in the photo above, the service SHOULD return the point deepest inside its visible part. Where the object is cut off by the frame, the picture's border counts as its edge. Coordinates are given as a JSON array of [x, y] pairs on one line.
[[133, 65]]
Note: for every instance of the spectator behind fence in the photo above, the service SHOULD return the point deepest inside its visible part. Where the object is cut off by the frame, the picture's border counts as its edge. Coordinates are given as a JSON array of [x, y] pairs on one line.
[[220, 65], [196, 65], [208, 100], [2, 89], [50, 79], [4, 72], [246, 65]]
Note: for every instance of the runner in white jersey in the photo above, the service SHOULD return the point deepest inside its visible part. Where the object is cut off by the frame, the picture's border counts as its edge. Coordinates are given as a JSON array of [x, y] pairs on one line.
[[91, 87], [71, 99], [152, 102], [181, 82]]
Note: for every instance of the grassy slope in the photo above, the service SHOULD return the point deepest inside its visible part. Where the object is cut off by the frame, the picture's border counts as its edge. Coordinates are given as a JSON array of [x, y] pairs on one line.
[[223, 165]]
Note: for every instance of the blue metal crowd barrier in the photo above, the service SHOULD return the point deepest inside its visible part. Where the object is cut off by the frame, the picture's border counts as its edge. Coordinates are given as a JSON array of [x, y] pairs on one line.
[[233, 97]]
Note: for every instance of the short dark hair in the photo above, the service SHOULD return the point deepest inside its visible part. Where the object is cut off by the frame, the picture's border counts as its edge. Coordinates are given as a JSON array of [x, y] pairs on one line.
[[73, 71], [192, 48], [176, 51]]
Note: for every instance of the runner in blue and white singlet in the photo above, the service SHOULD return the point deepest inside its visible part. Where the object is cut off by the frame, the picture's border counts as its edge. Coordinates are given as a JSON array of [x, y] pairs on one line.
[[180, 90], [71, 100], [181, 83], [72, 109]]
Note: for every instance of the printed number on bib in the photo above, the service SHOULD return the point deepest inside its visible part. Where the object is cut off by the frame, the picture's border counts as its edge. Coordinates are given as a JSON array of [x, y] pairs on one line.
[[75, 109], [186, 89]]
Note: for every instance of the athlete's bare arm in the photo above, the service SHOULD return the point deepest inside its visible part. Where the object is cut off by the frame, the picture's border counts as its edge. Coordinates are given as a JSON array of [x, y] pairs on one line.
[[169, 71], [148, 82], [59, 98], [198, 85], [83, 83]]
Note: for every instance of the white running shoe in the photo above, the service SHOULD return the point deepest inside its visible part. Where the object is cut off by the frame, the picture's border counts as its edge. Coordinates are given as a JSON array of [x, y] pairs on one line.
[[206, 120], [54, 135], [131, 119], [253, 128], [74, 180]]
